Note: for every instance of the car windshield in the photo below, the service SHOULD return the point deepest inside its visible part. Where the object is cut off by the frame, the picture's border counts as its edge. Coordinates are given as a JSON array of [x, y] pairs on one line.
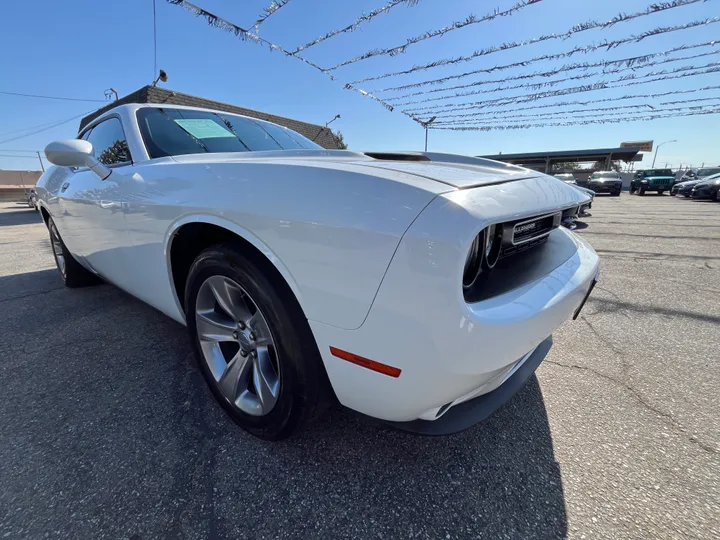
[[708, 172], [173, 132], [658, 172], [607, 174], [565, 176]]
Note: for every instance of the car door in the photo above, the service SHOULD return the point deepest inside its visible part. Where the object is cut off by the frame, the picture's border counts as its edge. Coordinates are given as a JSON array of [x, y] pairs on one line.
[[92, 208]]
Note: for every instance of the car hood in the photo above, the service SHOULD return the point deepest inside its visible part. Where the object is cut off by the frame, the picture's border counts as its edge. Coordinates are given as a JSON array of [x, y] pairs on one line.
[[452, 170], [658, 178]]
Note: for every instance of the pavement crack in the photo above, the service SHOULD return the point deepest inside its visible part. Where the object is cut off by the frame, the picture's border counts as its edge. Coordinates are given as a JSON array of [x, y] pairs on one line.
[[609, 344], [29, 295], [709, 448]]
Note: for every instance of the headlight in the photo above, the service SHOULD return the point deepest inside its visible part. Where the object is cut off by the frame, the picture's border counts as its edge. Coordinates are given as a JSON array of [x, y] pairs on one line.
[[493, 243], [473, 263], [717, 182]]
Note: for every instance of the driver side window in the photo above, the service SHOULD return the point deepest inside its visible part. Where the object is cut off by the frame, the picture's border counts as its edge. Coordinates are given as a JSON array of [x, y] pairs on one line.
[[109, 143]]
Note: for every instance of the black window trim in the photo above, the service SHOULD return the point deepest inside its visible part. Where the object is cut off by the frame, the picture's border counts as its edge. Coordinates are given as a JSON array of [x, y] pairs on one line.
[[92, 126]]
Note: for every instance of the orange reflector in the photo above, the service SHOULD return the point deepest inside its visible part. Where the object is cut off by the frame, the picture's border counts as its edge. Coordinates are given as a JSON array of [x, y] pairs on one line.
[[366, 362]]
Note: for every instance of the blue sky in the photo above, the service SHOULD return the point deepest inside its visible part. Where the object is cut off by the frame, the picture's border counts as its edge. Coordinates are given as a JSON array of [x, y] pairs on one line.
[[80, 48]]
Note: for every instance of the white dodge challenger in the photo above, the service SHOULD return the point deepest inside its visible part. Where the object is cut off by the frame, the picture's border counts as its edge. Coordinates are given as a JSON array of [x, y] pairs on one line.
[[420, 289]]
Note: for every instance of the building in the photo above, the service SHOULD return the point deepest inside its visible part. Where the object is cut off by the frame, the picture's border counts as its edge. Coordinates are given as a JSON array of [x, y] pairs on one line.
[[162, 96], [546, 161], [13, 184]]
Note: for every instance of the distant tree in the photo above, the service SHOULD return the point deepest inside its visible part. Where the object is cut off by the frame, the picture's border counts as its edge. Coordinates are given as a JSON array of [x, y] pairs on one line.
[[567, 166], [340, 140], [603, 165]]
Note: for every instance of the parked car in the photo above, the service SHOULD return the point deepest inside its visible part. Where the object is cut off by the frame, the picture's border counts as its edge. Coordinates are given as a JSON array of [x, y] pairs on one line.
[[32, 198], [418, 288], [605, 182], [707, 189], [685, 188], [690, 174], [568, 178], [660, 180]]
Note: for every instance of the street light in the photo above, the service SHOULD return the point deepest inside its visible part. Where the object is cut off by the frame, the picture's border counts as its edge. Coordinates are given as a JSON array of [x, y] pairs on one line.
[[331, 121], [656, 149], [425, 125]]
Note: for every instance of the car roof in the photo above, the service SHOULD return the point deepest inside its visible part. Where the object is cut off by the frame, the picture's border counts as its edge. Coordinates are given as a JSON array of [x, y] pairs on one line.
[[133, 107]]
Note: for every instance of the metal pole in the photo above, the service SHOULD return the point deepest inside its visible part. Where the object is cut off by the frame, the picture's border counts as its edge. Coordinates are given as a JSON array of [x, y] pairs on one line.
[[655, 157], [426, 136], [41, 163]]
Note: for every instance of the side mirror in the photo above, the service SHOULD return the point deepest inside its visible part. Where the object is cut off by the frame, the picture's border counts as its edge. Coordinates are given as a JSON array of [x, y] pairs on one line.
[[76, 153]]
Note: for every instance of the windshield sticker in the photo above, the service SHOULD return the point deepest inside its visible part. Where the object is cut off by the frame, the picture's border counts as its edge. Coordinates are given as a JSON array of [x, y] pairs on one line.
[[203, 128]]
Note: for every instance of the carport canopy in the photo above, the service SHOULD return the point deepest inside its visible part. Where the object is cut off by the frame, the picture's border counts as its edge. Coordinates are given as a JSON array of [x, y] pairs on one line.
[[544, 161]]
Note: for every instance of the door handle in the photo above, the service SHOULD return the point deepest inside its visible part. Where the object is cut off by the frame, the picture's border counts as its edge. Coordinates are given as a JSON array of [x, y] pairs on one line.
[[64, 187]]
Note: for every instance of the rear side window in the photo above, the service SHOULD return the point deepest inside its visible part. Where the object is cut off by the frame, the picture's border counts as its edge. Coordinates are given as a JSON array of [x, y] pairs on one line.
[[172, 132], [109, 143]]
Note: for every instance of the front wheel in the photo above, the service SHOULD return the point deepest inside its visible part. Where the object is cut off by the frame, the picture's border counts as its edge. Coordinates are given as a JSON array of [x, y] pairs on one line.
[[641, 191], [253, 344], [72, 273], [632, 190]]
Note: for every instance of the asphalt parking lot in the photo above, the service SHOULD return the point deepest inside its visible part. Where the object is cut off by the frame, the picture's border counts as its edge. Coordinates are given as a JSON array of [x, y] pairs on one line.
[[108, 430]]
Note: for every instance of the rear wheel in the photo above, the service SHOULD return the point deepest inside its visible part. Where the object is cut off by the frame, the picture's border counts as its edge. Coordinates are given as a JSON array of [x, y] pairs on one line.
[[253, 344], [72, 273]]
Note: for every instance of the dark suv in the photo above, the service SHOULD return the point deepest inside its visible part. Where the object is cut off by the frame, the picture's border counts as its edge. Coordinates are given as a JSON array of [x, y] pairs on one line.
[[605, 182], [660, 180]]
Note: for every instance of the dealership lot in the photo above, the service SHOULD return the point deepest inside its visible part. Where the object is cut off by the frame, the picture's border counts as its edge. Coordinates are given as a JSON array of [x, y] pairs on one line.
[[108, 429]]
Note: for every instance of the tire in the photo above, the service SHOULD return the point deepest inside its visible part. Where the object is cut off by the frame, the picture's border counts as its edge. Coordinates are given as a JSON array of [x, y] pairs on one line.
[[616, 193], [72, 273], [641, 190], [632, 190], [660, 192], [273, 355]]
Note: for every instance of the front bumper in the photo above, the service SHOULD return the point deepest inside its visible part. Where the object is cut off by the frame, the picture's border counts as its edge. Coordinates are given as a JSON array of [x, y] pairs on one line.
[[605, 187], [448, 350], [468, 413], [705, 192]]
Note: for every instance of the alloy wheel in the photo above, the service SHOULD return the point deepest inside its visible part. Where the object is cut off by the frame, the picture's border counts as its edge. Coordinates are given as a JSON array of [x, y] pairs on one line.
[[237, 345]]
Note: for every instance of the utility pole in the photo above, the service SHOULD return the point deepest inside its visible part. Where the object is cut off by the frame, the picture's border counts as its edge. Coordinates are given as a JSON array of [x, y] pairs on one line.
[[425, 125], [41, 163]]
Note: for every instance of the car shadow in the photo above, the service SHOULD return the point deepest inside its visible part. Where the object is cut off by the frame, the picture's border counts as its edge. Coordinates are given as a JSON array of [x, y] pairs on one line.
[[21, 216], [580, 225], [106, 412]]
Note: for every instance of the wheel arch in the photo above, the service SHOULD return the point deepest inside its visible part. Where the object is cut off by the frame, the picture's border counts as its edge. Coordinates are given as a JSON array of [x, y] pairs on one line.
[[44, 213], [195, 233]]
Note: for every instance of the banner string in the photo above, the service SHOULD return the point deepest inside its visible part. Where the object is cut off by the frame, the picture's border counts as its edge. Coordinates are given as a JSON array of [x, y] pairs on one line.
[[584, 49], [469, 20], [579, 123], [555, 82], [633, 63], [587, 102], [525, 98], [268, 11], [360, 20], [566, 115]]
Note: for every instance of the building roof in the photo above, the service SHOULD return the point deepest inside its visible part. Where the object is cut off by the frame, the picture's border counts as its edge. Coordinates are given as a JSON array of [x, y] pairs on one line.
[[155, 95], [593, 154]]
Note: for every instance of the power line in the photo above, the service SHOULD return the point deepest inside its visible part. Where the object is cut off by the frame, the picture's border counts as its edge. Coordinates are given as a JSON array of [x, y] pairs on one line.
[[56, 124], [155, 70], [51, 97]]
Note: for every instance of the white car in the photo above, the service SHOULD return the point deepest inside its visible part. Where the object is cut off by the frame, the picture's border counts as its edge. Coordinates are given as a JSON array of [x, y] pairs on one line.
[[417, 288]]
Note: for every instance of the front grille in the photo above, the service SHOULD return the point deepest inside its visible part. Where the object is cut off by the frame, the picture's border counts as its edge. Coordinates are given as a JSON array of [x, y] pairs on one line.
[[662, 182]]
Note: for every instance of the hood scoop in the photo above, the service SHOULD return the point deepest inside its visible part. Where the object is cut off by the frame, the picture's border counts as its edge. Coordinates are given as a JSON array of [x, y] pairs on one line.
[[397, 156]]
